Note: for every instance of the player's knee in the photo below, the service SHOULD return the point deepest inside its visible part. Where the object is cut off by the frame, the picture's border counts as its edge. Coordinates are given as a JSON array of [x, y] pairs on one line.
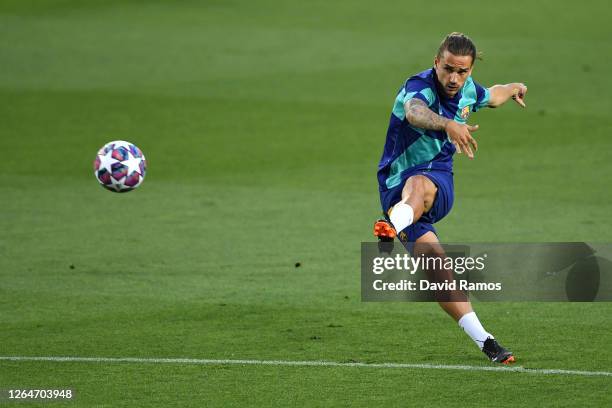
[[431, 250], [428, 246]]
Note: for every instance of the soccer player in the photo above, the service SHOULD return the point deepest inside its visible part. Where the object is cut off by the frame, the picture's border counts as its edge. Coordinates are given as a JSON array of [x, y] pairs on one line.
[[415, 174]]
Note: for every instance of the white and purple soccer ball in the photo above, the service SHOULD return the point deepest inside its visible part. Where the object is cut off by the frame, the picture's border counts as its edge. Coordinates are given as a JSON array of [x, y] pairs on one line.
[[120, 166]]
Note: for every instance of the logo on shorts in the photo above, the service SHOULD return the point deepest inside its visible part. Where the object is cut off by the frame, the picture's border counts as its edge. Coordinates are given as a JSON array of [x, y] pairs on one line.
[[465, 112], [403, 237]]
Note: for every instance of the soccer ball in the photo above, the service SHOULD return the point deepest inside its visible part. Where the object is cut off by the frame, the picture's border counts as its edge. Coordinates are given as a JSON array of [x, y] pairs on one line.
[[120, 166]]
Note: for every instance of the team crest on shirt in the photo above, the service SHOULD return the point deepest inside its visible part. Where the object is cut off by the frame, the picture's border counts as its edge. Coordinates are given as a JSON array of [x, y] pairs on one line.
[[465, 112]]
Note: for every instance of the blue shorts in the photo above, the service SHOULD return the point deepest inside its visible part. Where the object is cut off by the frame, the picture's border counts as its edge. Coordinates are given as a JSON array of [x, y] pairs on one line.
[[441, 206]]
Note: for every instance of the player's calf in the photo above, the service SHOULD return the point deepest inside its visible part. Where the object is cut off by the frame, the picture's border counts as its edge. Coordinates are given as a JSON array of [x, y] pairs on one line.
[[418, 195]]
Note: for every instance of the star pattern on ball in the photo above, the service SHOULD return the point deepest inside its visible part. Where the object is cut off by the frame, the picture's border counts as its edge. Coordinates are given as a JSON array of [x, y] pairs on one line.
[[132, 163], [106, 161]]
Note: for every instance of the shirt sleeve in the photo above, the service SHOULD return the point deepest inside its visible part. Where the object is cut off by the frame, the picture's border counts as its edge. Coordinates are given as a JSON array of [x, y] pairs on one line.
[[482, 97], [416, 87]]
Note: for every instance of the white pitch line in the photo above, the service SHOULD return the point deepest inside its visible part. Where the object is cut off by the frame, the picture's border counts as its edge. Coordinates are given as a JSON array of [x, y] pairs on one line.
[[197, 361]]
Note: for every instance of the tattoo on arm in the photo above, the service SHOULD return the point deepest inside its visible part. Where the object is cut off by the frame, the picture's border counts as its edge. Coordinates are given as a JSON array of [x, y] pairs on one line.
[[419, 115]]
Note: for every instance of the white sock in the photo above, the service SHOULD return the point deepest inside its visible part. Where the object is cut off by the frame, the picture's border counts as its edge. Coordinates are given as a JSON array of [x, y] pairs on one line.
[[471, 325], [401, 216]]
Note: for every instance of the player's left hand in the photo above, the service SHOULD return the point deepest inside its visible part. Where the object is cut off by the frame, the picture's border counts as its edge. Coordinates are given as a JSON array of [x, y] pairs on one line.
[[519, 93]]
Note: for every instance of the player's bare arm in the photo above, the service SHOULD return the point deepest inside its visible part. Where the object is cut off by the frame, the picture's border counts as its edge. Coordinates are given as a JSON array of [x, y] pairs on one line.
[[419, 115], [500, 94]]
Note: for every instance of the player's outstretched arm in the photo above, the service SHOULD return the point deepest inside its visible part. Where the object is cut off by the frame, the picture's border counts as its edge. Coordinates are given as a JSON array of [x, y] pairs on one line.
[[500, 94], [419, 115]]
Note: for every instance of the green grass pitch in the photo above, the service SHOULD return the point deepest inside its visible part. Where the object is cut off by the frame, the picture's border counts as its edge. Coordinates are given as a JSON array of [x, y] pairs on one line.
[[263, 123]]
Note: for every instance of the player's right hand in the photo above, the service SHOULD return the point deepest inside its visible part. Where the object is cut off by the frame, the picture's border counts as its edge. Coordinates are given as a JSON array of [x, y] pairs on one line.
[[461, 137]]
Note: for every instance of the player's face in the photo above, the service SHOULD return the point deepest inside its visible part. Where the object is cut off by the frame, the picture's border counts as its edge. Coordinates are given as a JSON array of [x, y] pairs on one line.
[[452, 71]]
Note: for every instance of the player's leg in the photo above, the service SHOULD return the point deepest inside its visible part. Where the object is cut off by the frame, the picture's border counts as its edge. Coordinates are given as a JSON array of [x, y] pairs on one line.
[[429, 246], [418, 195], [456, 304], [422, 203]]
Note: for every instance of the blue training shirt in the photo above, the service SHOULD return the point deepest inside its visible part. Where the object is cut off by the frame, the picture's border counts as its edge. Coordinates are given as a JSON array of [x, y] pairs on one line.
[[409, 148]]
